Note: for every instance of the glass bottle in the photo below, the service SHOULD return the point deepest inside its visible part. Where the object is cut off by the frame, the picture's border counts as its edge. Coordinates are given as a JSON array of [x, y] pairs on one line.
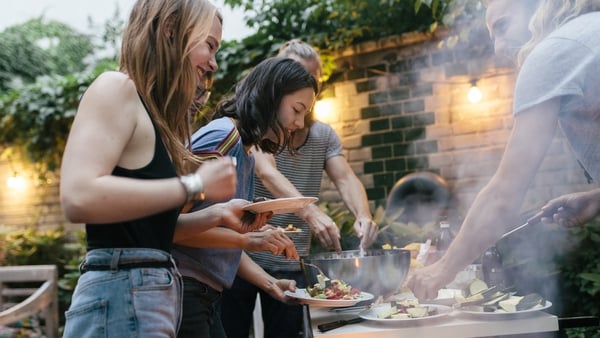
[[492, 268], [443, 239]]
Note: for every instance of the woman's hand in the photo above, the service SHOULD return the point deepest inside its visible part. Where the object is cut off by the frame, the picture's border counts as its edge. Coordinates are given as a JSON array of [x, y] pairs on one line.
[[219, 178], [271, 240], [277, 288], [234, 217]]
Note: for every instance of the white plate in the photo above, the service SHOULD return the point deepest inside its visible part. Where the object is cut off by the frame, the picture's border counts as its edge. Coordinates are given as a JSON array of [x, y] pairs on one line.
[[280, 205], [371, 314], [505, 315], [305, 298]]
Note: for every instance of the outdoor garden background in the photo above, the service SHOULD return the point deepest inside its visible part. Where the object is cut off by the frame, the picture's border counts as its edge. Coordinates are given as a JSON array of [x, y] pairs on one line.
[[395, 86]]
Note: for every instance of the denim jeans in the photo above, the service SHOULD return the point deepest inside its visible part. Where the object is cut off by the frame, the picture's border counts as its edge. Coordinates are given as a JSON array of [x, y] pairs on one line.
[[201, 311], [126, 302]]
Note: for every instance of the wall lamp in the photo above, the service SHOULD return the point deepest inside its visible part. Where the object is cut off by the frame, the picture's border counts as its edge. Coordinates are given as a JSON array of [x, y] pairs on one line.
[[16, 182], [325, 111], [474, 95]]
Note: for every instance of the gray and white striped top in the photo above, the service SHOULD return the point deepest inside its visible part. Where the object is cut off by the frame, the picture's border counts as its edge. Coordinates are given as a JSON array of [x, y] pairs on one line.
[[305, 171]]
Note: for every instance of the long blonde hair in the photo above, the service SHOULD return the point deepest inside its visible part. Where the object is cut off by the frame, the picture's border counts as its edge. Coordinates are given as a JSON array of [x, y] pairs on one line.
[[552, 14], [154, 54]]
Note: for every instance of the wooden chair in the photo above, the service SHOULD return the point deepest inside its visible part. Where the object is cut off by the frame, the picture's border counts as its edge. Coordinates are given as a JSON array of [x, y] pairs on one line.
[[41, 301]]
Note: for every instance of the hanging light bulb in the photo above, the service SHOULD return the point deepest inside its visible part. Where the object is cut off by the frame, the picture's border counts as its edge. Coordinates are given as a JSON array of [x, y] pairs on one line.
[[474, 94], [324, 110], [16, 182]]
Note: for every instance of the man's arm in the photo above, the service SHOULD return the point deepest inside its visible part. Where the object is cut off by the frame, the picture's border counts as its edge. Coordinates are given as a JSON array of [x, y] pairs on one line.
[[355, 197]]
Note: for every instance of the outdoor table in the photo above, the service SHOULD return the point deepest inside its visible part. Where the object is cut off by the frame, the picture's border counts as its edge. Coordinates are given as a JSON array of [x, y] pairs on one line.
[[454, 325]]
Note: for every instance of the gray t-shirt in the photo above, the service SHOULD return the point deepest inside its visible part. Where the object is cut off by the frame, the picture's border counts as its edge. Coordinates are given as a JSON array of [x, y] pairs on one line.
[[566, 65], [304, 171]]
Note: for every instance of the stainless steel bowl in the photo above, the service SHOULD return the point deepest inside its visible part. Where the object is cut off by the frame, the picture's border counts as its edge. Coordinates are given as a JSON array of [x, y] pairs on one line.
[[380, 272]]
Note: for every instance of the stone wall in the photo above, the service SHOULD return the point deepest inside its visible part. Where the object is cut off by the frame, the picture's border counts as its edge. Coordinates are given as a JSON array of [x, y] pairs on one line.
[[400, 106]]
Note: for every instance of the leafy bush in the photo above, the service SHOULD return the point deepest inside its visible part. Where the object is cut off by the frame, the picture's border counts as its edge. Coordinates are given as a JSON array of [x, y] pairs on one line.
[[35, 120]]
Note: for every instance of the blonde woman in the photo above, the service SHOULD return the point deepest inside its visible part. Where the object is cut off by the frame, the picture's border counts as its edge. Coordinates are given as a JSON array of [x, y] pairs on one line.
[[124, 173], [557, 50]]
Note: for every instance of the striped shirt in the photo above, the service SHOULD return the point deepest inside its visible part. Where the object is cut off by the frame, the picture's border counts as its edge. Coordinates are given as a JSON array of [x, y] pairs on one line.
[[305, 171]]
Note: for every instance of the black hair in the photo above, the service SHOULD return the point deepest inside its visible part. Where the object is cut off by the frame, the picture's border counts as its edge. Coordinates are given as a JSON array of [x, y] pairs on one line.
[[258, 96]]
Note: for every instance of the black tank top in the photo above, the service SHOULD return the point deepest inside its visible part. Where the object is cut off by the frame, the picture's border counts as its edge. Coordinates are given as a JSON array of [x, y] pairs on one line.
[[155, 231]]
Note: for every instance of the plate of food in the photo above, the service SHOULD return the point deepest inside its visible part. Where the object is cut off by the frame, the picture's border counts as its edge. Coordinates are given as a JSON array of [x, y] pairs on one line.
[[408, 311], [305, 298], [280, 205], [290, 228], [330, 293], [485, 312], [498, 302]]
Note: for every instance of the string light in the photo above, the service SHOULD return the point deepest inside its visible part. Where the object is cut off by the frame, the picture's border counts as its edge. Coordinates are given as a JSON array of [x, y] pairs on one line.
[[474, 95], [324, 110], [16, 182]]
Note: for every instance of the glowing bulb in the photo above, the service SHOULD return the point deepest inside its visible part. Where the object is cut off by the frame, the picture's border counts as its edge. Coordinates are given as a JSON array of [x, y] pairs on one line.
[[474, 94], [16, 182], [324, 110]]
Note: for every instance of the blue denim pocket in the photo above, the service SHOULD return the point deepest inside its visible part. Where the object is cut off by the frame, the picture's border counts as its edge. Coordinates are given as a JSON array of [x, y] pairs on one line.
[[87, 320]]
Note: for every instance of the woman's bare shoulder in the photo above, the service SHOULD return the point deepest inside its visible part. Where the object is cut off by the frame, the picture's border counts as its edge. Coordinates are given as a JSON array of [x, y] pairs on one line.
[[113, 83], [111, 90]]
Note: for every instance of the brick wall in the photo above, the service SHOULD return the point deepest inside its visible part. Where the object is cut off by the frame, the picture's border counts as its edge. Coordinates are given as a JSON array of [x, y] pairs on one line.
[[36, 205], [400, 107]]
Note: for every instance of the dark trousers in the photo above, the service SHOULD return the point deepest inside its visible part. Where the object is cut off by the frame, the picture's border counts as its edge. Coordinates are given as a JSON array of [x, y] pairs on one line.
[[280, 320], [201, 311]]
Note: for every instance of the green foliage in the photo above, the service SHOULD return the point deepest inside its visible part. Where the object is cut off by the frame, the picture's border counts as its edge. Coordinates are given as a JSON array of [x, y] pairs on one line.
[[37, 47], [332, 25], [36, 119]]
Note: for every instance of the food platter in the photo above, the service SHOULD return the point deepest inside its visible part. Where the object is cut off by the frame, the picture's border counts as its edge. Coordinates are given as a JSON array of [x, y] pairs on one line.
[[280, 205], [371, 314], [304, 298], [500, 315]]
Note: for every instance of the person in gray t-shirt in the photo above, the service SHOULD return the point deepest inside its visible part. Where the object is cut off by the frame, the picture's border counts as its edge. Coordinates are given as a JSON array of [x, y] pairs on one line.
[[558, 86]]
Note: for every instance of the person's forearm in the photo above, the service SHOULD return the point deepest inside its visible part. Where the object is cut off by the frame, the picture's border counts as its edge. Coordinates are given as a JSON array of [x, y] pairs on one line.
[[217, 237], [253, 273], [273, 179], [354, 196]]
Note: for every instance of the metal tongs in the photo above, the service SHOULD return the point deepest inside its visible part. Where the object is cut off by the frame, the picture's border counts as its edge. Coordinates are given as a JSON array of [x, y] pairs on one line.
[[532, 220]]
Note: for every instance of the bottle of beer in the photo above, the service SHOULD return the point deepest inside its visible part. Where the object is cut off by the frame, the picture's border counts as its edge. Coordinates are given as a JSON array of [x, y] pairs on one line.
[[491, 266]]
